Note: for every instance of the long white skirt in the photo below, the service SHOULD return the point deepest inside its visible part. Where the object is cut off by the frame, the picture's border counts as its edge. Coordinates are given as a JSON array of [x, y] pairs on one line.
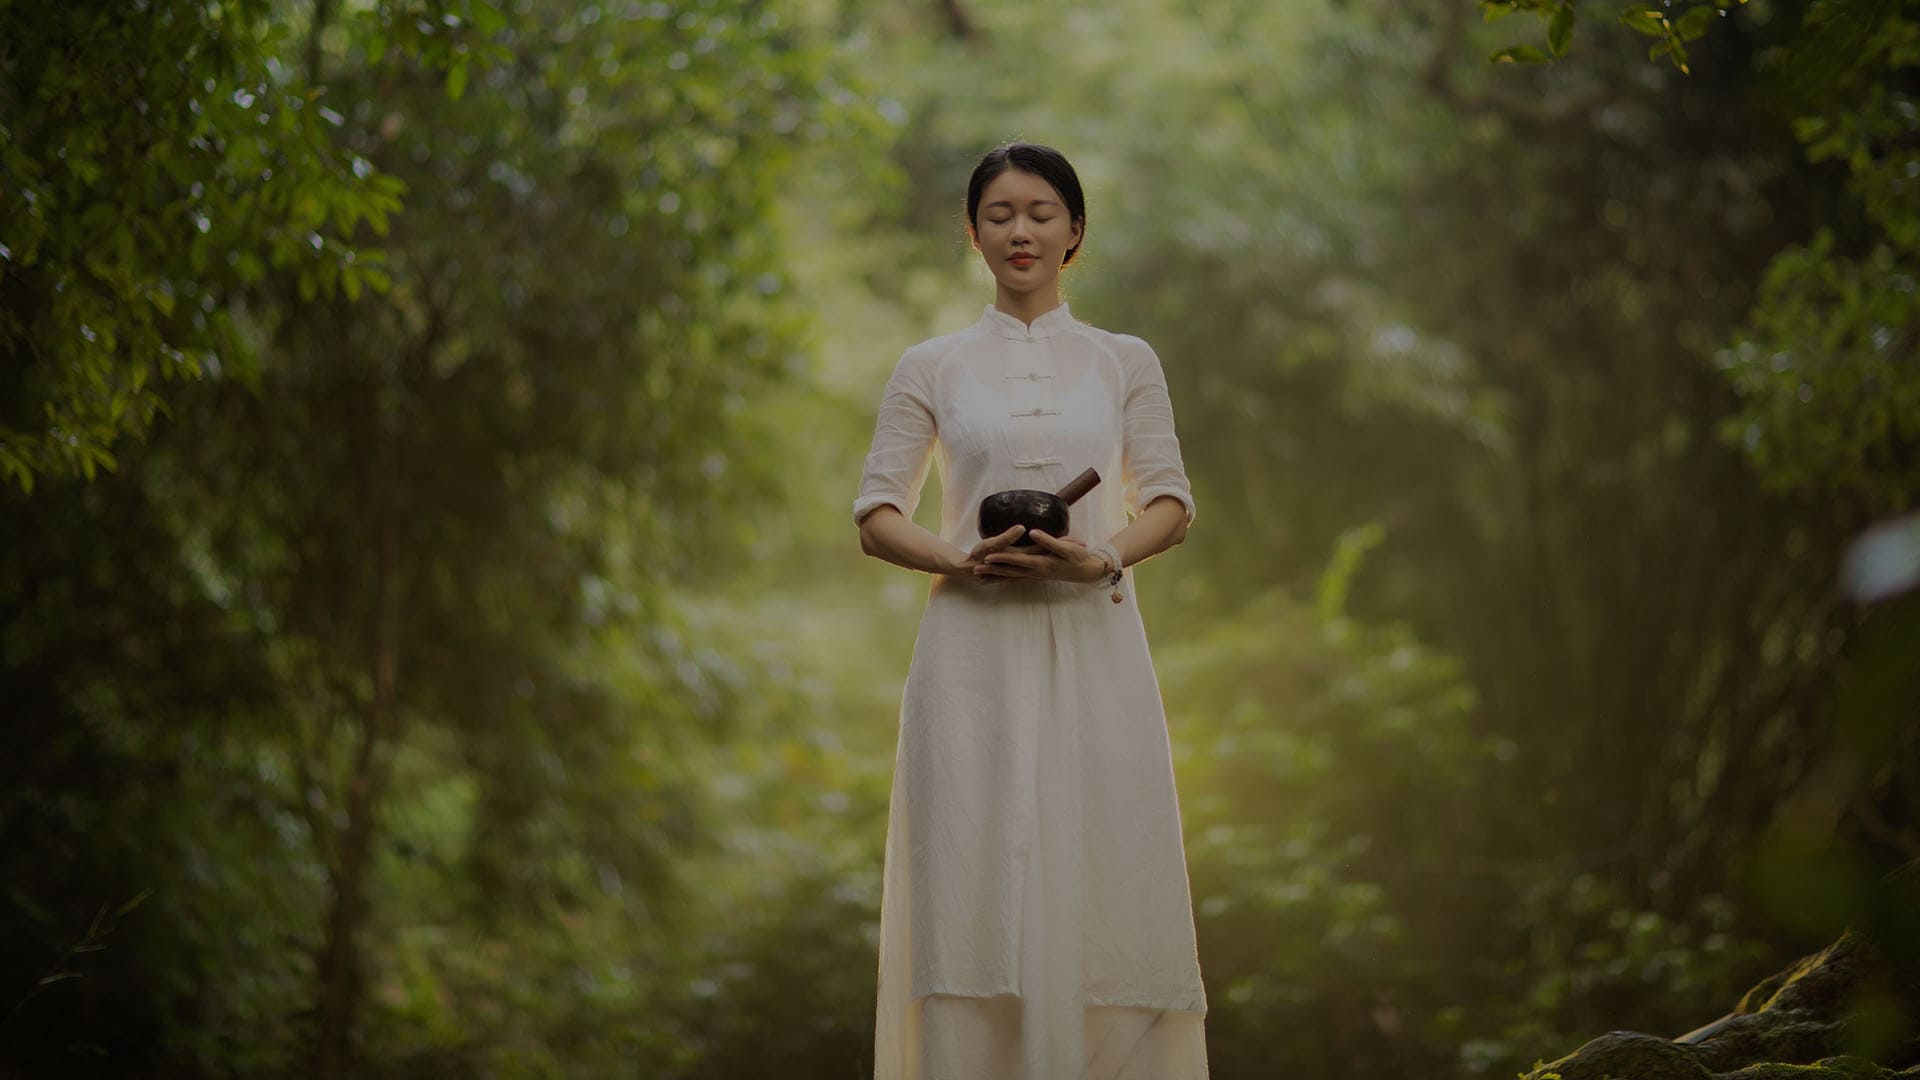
[[1035, 921]]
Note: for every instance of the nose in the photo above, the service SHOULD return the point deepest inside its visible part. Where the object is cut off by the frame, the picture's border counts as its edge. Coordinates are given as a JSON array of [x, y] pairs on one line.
[[1021, 232]]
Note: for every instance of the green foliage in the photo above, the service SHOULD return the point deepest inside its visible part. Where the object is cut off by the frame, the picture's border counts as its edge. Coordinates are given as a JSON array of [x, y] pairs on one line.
[[1309, 896], [1674, 27], [1830, 393], [156, 160], [421, 806], [1318, 893], [1596, 960]]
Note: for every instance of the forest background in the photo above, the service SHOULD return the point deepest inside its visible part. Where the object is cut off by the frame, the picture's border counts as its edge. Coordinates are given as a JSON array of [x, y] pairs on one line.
[[433, 641]]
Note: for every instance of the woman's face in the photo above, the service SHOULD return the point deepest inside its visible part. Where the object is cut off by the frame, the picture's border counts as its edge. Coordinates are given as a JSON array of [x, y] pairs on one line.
[[1024, 232]]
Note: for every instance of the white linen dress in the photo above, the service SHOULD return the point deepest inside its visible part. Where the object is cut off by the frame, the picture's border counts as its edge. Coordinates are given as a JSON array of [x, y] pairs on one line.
[[1036, 921]]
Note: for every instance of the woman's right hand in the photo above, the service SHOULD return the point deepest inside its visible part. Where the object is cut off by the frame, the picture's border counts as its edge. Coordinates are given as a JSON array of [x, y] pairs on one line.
[[978, 556]]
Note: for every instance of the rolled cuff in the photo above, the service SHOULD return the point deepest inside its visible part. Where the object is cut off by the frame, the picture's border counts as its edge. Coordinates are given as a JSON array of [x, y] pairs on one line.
[[867, 504], [1147, 495]]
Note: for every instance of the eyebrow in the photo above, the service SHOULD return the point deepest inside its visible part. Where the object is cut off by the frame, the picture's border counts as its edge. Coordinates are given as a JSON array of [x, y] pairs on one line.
[[1008, 203]]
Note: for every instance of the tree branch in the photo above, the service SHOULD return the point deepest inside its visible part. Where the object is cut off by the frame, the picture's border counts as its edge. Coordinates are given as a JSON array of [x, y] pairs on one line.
[[960, 23], [322, 14]]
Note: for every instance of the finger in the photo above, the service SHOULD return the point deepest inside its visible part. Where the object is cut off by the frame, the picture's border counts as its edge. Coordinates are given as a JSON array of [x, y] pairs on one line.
[[1019, 558], [1054, 544], [994, 571], [996, 543]]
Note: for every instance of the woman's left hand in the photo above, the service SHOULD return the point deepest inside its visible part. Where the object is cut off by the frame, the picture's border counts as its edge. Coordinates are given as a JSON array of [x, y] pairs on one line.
[[1060, 560]]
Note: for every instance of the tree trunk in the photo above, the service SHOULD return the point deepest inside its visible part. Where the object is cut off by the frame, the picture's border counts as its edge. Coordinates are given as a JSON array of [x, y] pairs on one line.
[[322, 13], [340, 971]]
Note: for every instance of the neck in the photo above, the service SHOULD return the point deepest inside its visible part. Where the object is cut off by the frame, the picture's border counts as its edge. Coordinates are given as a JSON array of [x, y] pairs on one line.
[[1026, 306]]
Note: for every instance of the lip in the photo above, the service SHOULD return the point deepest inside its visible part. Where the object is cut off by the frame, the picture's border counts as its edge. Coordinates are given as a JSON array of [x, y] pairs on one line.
[[1023, 261]]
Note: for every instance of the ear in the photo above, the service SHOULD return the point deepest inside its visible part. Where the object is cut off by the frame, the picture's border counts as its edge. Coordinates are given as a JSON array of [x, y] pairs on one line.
[[1079, 233], [973, 238]]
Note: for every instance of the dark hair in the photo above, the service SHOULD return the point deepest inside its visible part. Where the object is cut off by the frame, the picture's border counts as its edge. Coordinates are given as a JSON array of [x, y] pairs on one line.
[[1042, 161]]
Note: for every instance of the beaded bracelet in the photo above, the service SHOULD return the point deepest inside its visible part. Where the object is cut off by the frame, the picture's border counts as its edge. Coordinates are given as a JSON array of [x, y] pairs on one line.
[[1113, 571]]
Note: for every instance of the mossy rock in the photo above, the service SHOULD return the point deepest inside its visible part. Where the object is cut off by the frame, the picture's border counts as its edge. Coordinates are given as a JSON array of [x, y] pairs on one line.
[[1833, 1068], [1800, 1014], [1620, 1055], [1794, 1025]]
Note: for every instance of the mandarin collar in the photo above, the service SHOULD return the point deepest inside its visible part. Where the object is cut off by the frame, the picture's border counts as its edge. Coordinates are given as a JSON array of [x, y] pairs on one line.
[[1005, 325]]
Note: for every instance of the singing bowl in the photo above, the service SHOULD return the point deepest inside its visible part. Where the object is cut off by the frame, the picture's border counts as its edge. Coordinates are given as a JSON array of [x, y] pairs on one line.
[[1041, 510]]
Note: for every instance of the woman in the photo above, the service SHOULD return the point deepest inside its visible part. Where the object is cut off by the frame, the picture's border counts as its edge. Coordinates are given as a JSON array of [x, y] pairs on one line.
[[1036, 920]]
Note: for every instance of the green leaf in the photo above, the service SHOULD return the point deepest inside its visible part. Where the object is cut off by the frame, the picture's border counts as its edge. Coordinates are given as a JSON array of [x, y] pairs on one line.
[[137, 899], [1560, 30], [1520, 54], [15, 466], [1645, 18], [487, 18], [1693, 25], [457, 79]]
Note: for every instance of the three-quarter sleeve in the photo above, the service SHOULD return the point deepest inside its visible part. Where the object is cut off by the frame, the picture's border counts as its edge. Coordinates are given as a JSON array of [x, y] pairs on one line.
[[1150, 451], [896, 466]]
